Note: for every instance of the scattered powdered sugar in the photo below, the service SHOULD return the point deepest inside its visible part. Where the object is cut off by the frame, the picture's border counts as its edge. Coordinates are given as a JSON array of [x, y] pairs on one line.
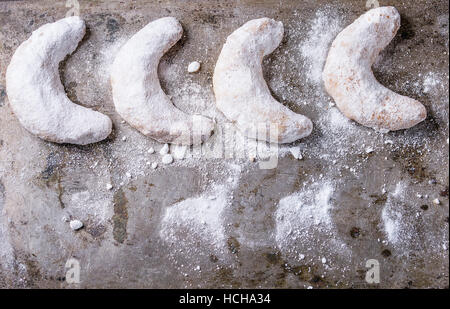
[[303, 221], [392, 217], [432, 82], [197, 223], [400, 223], [310, 44], [337, 121], [197, 219], [324, 28], [194, 98], [391, 222], [307, 206], [94, 204], [106, 59], [399, 190], [407, 228], [338, 134]]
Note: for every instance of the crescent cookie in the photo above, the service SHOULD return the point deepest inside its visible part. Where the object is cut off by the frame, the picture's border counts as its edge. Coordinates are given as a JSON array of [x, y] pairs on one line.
[[137, 93], [241, 91], [349, 79], [35, 91]]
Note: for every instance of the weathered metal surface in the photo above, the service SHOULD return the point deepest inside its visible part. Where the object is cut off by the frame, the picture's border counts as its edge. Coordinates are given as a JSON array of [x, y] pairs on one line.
[[121, 243]]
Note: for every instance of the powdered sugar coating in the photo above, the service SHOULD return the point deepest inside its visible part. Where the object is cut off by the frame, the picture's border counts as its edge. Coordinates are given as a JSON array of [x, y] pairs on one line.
[[239, 86], [35, 91], [350, 81], [137, 93]]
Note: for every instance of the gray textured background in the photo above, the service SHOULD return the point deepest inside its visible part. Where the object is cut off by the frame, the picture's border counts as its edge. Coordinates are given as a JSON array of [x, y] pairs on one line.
[[120, 245]]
